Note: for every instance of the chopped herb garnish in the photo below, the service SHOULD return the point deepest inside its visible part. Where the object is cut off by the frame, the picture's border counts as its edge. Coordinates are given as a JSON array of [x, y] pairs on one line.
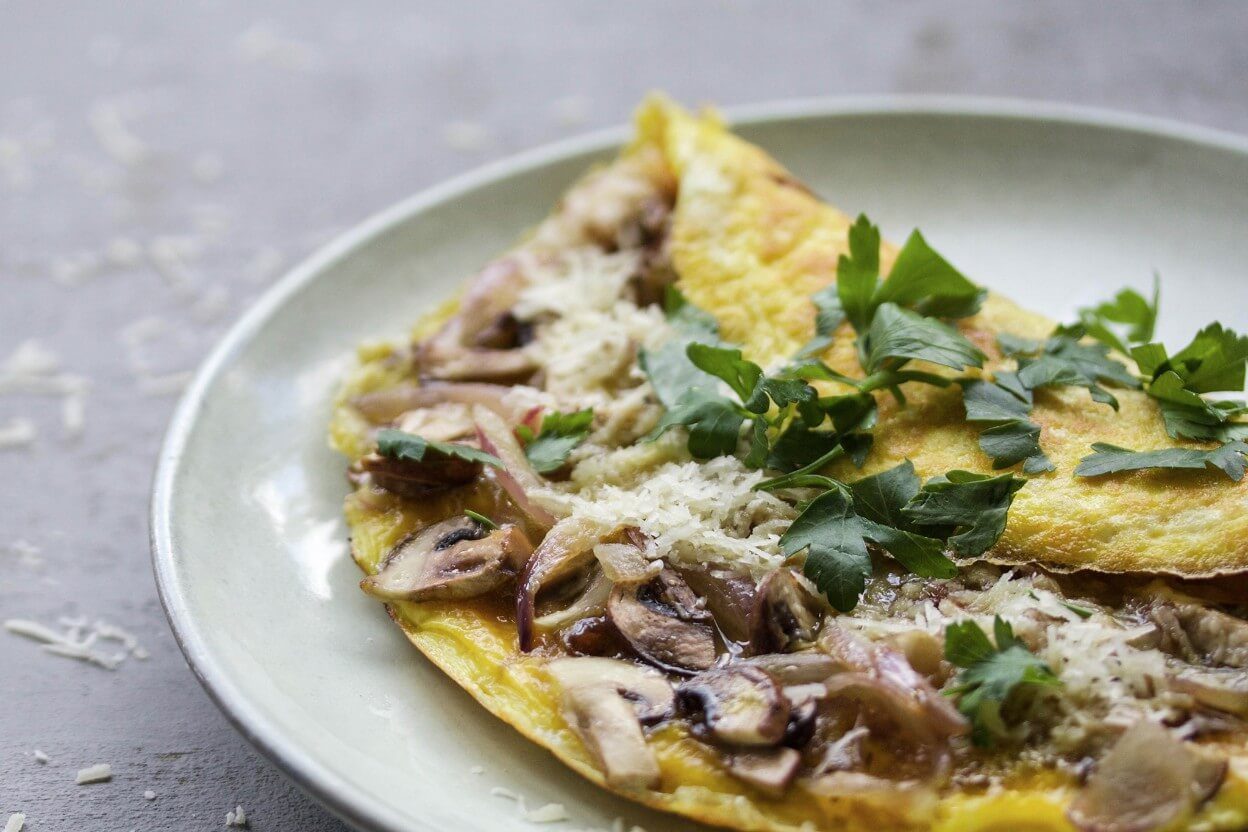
[[1082, 612], [669, 369], [560, 433], [714, 423], [396, 444], [991, 674], [480, 518], [1214, 362], [1129, 318], [915, 524], [1110, 459]]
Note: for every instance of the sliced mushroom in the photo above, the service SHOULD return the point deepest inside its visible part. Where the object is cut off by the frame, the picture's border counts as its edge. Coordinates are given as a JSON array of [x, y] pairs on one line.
[[457, 558], [419, 478], [1148, 780], [447, 422], [770, 771], [1193, 631], [657, 633], [608, 701], [736, 705], [786, 613], [1225, 692], [727, 595], [479, 342], [796, 668], [566, 549]]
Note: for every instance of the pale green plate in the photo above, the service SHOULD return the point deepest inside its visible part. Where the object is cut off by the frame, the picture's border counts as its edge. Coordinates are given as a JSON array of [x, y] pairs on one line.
[[1052, 205]]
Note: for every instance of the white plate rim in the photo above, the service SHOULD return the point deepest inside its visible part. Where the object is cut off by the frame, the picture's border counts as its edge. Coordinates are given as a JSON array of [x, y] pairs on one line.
[[321, 782]]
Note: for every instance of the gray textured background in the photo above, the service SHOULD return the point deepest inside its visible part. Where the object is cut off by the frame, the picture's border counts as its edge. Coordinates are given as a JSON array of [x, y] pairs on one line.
[[162, 161]]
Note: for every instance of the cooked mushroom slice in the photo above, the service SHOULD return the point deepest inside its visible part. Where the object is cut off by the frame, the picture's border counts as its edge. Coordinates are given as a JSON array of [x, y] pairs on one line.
[[736, 705], [795, 668], [656, 633], [770, 771], [478, 343], [1195, 632], [1148, 780], [608, 701], [1225, 691], [786, 613], [457, 558], [419, 478], [727, 595]]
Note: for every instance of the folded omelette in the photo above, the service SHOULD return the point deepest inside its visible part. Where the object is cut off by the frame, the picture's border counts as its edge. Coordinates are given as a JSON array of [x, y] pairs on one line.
[[718, 532]]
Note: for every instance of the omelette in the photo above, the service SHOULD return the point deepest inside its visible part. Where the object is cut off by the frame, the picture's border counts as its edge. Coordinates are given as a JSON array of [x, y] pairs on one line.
[[685, 487]]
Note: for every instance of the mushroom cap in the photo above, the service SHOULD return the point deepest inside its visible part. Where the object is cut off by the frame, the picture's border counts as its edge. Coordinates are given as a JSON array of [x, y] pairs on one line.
[[657, 633], [737, 705], [457, 558]]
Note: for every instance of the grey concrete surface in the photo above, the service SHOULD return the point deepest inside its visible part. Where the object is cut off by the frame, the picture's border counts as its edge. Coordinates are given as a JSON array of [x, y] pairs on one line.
[[161, 161]]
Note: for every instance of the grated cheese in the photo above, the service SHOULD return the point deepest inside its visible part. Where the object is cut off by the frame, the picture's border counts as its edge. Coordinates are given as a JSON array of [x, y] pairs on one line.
[[696, 512], [78, 640], [236, 818], [99, 773], [18, 432], [465, 136], [15, 822], [550, 813], [149, 795], [40, 757]]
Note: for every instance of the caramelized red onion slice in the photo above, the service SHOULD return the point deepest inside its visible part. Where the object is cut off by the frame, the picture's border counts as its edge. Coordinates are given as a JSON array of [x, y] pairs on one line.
[[882, 676], [591, 602], [384, 406], [567, 547], [624, 563], [517, 476], [1148, 780]]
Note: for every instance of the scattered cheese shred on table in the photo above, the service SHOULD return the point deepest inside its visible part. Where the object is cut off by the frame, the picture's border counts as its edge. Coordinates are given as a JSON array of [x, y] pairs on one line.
[[550, 813], [15, 822], [17, 433], [79, 640], [99, 773], [40, 757], [236, 818], [149, 795]]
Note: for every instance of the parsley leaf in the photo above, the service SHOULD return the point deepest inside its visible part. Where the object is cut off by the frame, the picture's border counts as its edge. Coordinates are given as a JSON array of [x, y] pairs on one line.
[[858, 273], [1129, 318], [668, 367], [924, 281], [879, 501], [974, 504], [560, 432], [1012, 437], [1064, 360], [991, 674], [1110, 459], [836, 554], [727, 364], [396, 444], [714, 423], [898, 333], [829, 315], [1213, 362]]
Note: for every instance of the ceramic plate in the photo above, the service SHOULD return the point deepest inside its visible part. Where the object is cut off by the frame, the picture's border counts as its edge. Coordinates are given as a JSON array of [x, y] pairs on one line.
[[1051, 205]]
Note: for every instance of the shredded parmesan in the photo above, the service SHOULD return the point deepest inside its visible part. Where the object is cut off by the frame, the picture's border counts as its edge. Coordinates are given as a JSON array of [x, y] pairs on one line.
[[15, 822], [17, 433], [40, 757], [79, 640], [236, 818], [149, 795], [550, 813], [99, 773]]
